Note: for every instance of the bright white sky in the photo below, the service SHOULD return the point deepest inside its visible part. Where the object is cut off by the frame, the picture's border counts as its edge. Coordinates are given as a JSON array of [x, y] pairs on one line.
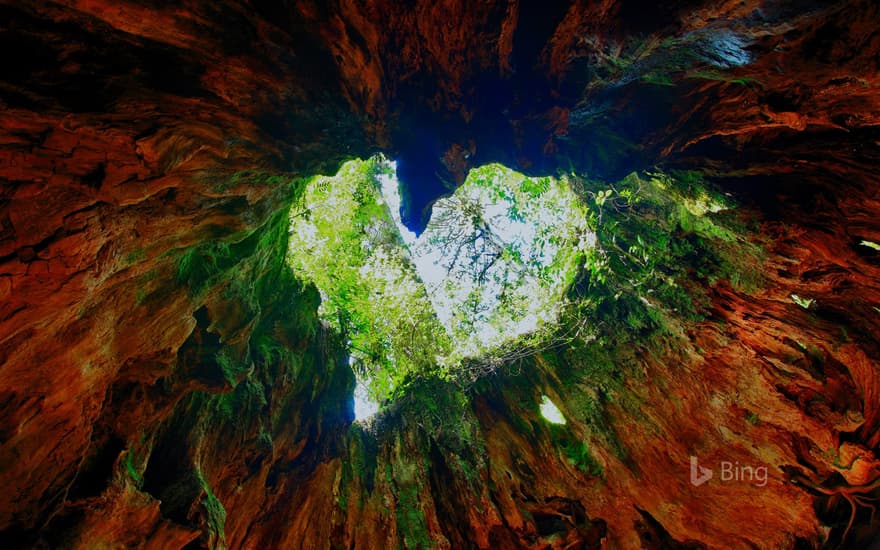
[[550, 411], [391, 194], [364, 407]]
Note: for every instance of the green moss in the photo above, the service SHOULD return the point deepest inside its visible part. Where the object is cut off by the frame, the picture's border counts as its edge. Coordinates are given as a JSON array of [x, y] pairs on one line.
[[239, 405], [344, 481], [199, 264], [590, 409], [132, 471], [578, 454], [443, 407], [411, 521], [215, 514], [753, 418], [719, 76], [139, 296], [231, 368], [354, 468], [470, 472], [412, 527], [252, 178], [144, 283], [134, 256], [248, 262], [657, 78], [816, 355]]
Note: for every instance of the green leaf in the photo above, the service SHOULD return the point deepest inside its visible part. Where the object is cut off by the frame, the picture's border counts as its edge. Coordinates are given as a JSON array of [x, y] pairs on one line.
[[870, 244]]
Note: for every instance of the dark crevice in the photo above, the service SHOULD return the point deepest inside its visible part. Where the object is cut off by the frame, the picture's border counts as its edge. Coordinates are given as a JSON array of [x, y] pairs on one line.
[[97, 469], [654, 536]]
